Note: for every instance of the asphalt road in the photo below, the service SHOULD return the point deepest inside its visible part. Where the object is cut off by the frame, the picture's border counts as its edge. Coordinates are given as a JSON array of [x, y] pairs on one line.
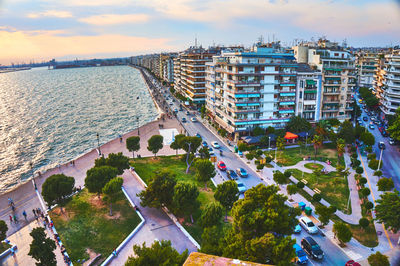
[[333, 255]]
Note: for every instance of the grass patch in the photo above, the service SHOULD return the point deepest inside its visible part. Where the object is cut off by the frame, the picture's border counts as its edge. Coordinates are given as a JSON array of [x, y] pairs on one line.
[[86, 227], [336, 194], [4, 247], [314, 166]]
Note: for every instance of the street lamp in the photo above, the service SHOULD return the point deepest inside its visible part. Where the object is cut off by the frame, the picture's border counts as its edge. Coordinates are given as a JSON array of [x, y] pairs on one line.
[[380, 159], [98, 143], [33, 177], [269, 143], [137, 119]]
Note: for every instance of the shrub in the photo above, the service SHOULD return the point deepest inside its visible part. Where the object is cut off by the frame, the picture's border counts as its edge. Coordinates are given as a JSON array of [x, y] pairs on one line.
[[259, 153], [300, 184], [371, 156], [354, 155], [359, 170], [268, 159], [257, 162], [260, 166], [316, 197], [365, 192], [385, 184], [378, 173], [363, 181], [364, 222], [287, 173], [369, 205], [356, 163], [249, 156], [368, 149], [373, 164]]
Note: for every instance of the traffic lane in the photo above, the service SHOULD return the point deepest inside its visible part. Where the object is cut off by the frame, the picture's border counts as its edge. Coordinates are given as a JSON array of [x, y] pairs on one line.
[[332, 254]]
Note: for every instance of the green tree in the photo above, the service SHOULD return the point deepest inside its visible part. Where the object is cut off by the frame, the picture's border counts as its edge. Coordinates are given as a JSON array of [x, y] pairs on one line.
[[340, 146], [280, 143], [260, 222], [176, 143], [324, 213], [204, 171], [111, 189], [185, 198], [116, 160], [347, 132], [356, 110], [373, 164], [298, 124], [359, 170], [317, 142], [300, 185], [280, 178], [365, 192], [3, 230], [385, 184], [98, 177], [155, 143], [203, 111], [358, 130], [291, 189], [160, 191], [287, 173], [388, 210], [133, 144], [249, 156], [190, 145], [160, 253], [394, 130], [210, 240], [378, 173], [368, 138], [317, 197], [42, 248], [378, 259], [212, 214], [323, 127], [204, 153], [243, 146], [258, 131], [57, 187], [363, 222], [342, 232], [227, 193]]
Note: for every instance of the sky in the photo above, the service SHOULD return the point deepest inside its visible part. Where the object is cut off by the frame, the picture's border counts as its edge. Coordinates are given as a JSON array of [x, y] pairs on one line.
[[44, 29]]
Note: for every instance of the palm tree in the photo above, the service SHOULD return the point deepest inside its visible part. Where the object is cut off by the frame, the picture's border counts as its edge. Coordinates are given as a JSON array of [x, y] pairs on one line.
[[323, 128], [340, 146], [317, 141]]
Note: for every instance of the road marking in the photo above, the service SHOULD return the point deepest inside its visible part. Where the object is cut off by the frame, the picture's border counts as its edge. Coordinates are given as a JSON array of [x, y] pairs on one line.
[[373, 197]]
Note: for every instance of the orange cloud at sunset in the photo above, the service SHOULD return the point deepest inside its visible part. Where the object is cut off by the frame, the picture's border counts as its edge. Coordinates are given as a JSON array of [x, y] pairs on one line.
[[21, 46]]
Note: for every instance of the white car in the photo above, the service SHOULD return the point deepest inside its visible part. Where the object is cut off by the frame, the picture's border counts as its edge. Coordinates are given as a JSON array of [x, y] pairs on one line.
[[193, 119], [308, 225], [215, 145]]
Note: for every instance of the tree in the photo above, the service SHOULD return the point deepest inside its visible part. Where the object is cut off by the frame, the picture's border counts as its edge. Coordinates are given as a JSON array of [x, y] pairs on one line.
[[3, 230], [300, 185], [212, 214], [227, 193], [204, 153], [394, 130], [325, 213], [203, 111], [175, 144], [388, 210], [204, 171], [340, 146], [298, 124], [42, 248], [359, 170], [133, 144], [190, 145], [280, 143], [365, 192], [249, 156], [98, 177], [373, 164], [378, 173], [363, 181], [57, 187], [155, 143], [292, 189], [258, 131], [210, 240], [317, 141], [347, 132], [385, 184], [323, 127], [317, 197], [369, 205], [342, 232], [368, 138], [160, 191], [160, 253], [363, 222], [358, 130], [260, 222], [287, 173], [116, 160], [243, 146], [111, 189], [378, 259], [356, 110], [280, 178], [185, 198]]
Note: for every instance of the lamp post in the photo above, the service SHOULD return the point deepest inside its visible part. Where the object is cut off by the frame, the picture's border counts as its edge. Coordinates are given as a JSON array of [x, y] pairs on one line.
[[306, 141], [269, 143], [380, 159], [137, 119], [98, 143], [33, 177]]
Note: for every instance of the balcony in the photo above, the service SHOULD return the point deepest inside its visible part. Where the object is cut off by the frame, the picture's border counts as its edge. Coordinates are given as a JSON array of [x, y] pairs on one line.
[[336, 101], [331, 92]]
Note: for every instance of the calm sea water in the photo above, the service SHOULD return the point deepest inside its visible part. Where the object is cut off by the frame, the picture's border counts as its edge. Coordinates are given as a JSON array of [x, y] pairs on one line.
[[49, 117]]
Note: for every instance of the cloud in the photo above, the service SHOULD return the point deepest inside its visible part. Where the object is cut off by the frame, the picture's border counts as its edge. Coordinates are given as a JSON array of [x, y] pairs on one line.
[[44, 45], [113, 19], [50, 13]]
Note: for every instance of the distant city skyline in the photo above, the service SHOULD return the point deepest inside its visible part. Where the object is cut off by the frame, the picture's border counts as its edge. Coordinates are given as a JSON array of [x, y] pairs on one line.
[[42, 30]]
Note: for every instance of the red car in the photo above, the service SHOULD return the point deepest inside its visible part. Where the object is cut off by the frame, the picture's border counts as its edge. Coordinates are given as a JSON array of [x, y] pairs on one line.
[[221, 166], [352, 263]]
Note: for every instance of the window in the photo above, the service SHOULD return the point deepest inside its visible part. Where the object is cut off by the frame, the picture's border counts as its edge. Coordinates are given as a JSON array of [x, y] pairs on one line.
[[301, 83], [300, 94]]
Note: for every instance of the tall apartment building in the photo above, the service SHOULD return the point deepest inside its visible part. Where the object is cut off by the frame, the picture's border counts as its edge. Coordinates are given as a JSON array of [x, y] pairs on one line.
[[166, 69], [308, 93], [338, 76], [366, 68], [249, 88], [388, 77], [189, 73]]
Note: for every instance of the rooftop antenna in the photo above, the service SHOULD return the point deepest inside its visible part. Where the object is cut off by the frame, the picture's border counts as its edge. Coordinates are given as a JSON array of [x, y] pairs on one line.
[[195, 40]]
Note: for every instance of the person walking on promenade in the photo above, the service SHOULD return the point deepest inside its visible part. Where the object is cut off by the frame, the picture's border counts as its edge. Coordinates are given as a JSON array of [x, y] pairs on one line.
[[34, 212], [11, 219], [24, 214], [13, 208], [15, 219]]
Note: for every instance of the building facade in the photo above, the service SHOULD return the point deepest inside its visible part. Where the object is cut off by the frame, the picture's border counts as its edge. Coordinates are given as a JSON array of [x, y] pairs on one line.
[[366, 68], [388, 83]]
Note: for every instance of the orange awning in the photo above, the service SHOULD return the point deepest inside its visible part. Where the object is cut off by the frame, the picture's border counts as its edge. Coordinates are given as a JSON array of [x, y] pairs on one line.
[[290, 136]]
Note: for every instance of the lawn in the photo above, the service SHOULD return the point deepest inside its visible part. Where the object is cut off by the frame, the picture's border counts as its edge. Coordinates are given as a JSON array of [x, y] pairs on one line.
[[86, 229], [4, 247], [291, 156], [314, 166], [336, 194], [147, 167]]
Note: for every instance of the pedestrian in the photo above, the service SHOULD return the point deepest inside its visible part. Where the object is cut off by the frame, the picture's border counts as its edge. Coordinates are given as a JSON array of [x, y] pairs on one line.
[[34, 212], [15, 218], [12, 208], [41, 214], [11, 219], [38, 211], [24, 214], [44, 223]]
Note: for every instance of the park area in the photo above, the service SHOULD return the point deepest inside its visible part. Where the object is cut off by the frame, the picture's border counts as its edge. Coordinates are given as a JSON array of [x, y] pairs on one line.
[[291, 156], [4, 246], [148, 167], [86, 228]]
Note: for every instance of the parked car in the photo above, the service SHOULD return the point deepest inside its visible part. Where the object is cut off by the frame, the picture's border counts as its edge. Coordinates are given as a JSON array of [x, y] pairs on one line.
[[176, 110], [204, 143], [198, 135], [312, 248], [242, 188], [381, 145], [183, 120], [241, 172], [301, 256], [211, 151], [231, 174], [193, 119], [391, 141], [352, 263], [365, 118], [308, 225], [221, 166], [240, 153], [371, 126], [187, 113], [297, 229], [215, 145]]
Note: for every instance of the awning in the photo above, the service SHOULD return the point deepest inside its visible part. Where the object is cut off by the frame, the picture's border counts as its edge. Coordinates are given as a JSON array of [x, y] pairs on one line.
[[290, 136]]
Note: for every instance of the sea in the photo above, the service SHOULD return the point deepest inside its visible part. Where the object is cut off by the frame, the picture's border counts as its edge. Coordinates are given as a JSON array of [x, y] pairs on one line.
[[49, 117]]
